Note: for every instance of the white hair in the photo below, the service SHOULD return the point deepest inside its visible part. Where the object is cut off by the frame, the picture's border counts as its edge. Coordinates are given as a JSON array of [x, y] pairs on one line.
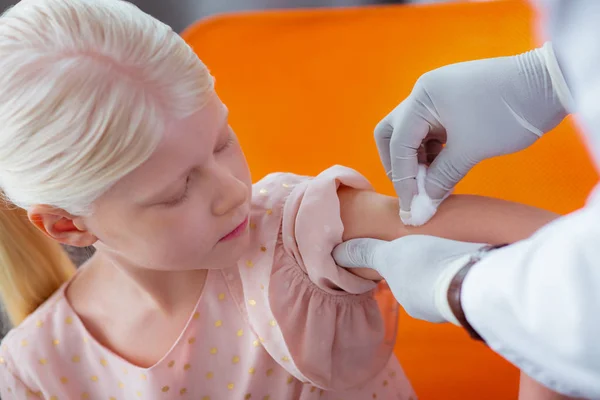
[[85, 89]]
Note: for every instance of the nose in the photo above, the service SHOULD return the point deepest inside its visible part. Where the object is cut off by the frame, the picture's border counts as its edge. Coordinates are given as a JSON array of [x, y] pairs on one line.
[[231, 193]]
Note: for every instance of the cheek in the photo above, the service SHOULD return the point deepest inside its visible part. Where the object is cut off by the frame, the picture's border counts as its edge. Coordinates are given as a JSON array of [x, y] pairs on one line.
[[195, 228], [159, 239], [183, 237], [111, 228]]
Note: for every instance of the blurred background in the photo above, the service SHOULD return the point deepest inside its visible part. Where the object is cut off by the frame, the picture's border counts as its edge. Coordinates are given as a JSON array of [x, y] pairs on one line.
[[181, 13]]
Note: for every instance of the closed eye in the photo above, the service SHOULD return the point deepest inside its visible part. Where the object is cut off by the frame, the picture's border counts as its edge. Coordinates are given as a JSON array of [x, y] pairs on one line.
[[226, 145], [182, 198]]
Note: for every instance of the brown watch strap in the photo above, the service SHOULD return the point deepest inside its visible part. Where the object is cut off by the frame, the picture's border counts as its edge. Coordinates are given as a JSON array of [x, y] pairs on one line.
[[455, 291]]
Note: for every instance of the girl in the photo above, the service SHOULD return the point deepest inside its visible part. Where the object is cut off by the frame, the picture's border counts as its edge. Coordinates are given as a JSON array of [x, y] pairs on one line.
[[202, 286]]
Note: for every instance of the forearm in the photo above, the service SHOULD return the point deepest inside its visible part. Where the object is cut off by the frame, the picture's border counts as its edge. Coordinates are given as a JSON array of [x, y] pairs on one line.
[[483, 220], [461, 217]]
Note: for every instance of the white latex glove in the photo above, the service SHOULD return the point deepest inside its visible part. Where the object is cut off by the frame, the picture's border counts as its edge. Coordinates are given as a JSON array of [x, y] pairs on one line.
[[478, 109], [417, 268]]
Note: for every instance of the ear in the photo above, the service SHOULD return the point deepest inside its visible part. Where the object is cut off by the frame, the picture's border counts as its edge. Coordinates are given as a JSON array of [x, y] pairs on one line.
[[61, 226]]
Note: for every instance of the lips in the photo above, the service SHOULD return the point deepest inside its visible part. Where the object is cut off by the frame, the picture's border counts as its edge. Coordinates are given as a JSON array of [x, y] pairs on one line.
[[240, 229]]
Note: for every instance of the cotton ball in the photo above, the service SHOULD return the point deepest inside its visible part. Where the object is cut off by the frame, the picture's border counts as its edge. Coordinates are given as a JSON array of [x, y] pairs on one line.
[[422, 207]]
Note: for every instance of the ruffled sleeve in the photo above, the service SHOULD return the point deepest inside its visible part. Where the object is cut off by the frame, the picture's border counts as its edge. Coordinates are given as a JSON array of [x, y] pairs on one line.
[[324, 324], [312, 227]]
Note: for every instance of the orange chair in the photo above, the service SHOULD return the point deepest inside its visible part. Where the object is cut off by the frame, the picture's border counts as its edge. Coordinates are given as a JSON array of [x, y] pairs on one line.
[[305, 90]]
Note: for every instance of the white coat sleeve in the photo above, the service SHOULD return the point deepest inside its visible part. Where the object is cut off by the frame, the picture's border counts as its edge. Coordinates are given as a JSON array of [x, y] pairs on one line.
[[537, 303]]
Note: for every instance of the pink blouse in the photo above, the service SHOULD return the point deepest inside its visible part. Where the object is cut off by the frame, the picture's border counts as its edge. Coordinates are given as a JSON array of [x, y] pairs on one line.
[[287, 323]]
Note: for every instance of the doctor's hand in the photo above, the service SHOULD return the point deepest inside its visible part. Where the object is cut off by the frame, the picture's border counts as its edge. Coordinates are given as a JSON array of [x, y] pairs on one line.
[[478, 109], [418, 269]]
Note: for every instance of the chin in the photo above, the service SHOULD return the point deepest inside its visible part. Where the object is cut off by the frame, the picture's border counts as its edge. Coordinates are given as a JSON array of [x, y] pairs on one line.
[[226, 254], [236, 247], [231, 251]]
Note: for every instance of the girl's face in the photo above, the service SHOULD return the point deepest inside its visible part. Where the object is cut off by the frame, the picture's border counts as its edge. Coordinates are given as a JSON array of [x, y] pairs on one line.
[[187, 206]]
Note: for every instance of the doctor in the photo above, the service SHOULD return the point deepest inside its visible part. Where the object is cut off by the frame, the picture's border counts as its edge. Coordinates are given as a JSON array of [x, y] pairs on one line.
[[536, 302]]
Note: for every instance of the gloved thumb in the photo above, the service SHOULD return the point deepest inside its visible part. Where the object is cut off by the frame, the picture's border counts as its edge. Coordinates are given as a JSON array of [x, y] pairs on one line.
[[445, 172], [357, 253]]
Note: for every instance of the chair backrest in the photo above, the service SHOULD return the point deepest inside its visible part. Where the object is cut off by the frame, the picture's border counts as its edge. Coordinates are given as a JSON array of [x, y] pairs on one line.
[[306, 88]]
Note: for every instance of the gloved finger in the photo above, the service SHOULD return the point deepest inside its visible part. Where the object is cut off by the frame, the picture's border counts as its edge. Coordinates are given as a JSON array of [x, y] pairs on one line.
[[409, 132], [357, 253], [429, 250], [383, 135], [445, 172], [454, 248], [422, 154]]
